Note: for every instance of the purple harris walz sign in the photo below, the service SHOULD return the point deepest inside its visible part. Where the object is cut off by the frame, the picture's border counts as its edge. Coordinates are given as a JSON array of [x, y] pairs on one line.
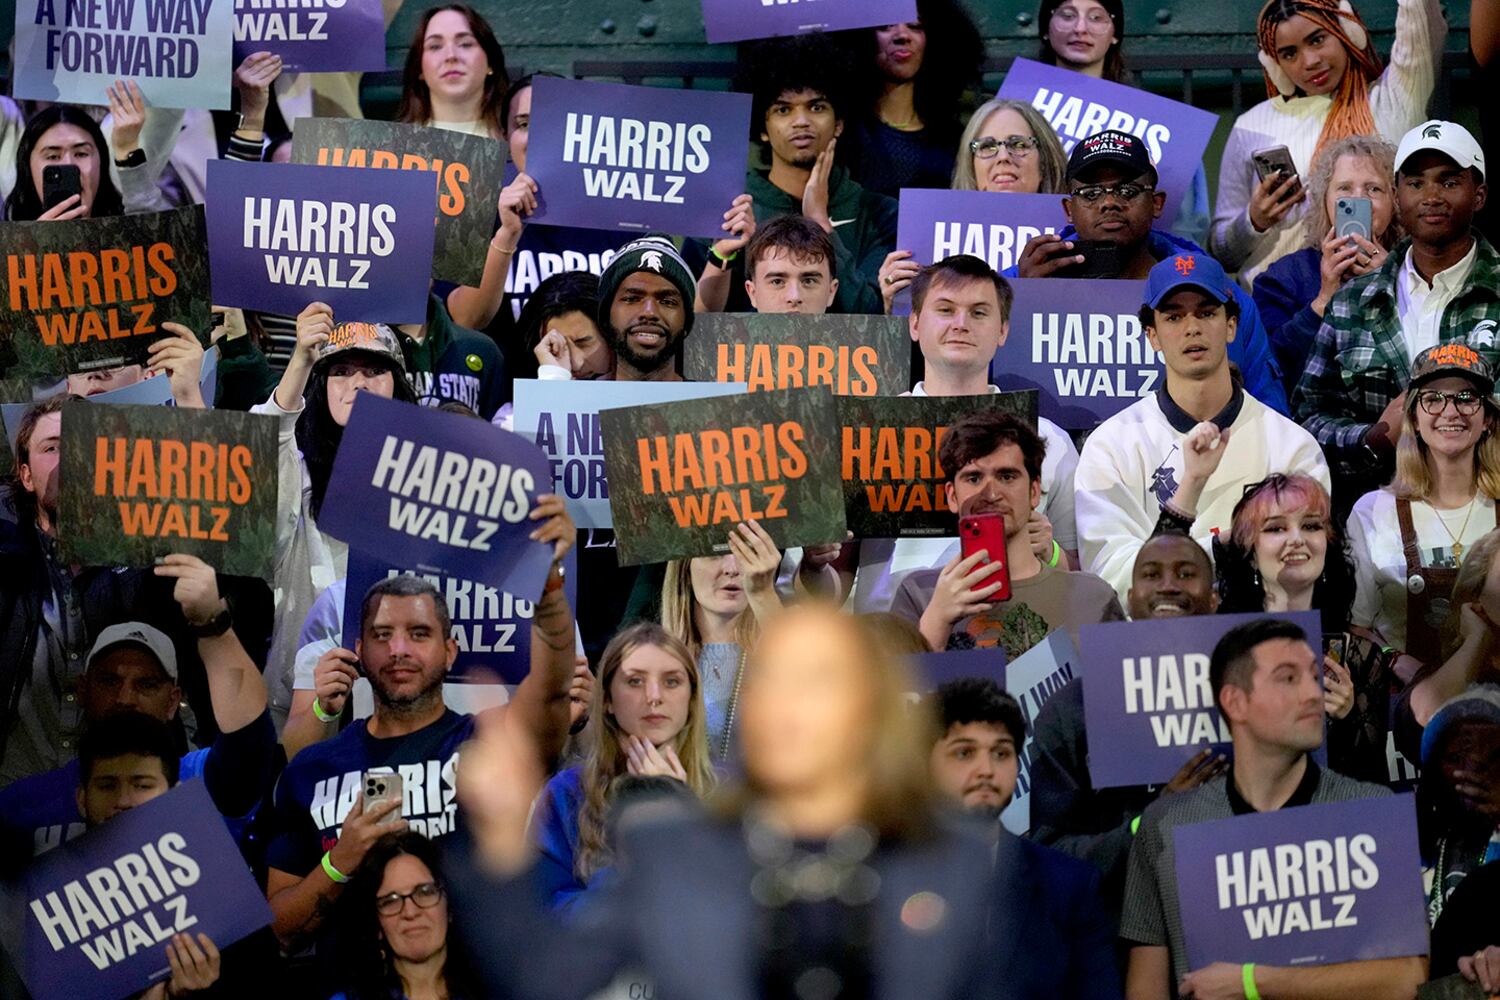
[[934, 225], [1079, 342], [283, 235], [636, 159], [436, 491], [1077, 106], [324, 36], [92, 917], [1147, 701], [739, 20], [1309, 885]]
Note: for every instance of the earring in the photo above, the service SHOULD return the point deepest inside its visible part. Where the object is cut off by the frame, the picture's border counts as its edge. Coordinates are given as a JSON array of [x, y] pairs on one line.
[[1277, 75], [1256, 577], [1352, 28]]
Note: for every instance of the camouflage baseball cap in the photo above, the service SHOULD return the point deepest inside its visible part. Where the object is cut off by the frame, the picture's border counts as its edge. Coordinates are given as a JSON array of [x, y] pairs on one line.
[[369, 338]]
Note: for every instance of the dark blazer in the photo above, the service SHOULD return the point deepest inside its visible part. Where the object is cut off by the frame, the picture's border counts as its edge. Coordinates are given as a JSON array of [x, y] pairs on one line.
[[681, 913]]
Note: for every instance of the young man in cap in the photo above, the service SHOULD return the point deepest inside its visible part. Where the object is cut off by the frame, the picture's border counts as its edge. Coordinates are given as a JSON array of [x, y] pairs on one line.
[[646, 298], [1264, 678], [1439, 285], [1112, 198], [1183, 455]]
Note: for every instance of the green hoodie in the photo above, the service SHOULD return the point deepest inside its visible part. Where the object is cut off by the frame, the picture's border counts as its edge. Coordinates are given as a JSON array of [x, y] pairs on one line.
[[864, 231]]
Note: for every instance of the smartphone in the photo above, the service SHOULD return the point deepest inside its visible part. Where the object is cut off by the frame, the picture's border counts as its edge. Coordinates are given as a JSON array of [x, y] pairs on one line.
[[1276, 160], [60, 181], [1334, 646], [987, 532], [1351, 217], [1101, 259], [382, 785]]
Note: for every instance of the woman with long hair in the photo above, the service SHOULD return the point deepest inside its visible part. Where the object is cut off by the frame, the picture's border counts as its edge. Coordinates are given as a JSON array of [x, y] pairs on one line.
[[716, 606], [646, 720], [1324, 82], [65, 135], [1085, 36], [1409, 538], [829, 862], [454, 77], [912, 77], [329, 368], [393, 926], [1294, 292]]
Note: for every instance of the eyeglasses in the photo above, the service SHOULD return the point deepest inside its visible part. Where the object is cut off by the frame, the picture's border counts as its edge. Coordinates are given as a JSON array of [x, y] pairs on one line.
[[1434, 402], [426, 896], [988, 147], [1097, 21], [1125, 192]]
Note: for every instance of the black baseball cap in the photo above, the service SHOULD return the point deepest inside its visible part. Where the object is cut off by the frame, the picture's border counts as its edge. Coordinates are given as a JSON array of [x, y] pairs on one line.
[[1110, 148]]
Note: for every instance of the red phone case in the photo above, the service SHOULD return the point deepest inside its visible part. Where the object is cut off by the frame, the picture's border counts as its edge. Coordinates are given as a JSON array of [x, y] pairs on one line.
[[986, 531]]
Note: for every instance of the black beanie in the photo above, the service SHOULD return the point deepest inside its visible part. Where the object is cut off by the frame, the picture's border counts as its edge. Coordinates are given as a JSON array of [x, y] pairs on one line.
[[648, 253]]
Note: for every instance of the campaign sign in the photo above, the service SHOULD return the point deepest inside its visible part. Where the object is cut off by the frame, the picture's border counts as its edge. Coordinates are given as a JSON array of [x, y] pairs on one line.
[[439, 491], [852, 355], [563, 419], [100, 909], [312, 36], [177, 51], [684, 474], [1031, 679], [93, 293], [935, 225], [933, 670], [1077, 106], [739, 20], [491, 627], [282, 235], [470, 172], [141, 482], [1147, 701], [1079, 341], [1309, 885], [894, 486], [641, 159]]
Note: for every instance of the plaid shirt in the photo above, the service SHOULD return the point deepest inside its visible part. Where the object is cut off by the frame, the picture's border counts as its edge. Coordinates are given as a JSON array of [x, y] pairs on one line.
[[1359, 364]]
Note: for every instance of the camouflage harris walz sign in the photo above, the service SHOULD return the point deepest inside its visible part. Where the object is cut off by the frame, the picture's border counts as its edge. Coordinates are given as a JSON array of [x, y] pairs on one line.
[[852, 355], [682, 475], [893, 483], [469, 171], [140, 482], [94, 293]]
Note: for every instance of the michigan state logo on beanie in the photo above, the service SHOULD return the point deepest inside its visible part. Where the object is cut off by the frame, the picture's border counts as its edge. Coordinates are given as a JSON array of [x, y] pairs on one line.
[[653, 254]]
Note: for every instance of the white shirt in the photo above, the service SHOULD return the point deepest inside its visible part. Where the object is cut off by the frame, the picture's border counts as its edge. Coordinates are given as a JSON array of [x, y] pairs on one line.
[[1421, 306]]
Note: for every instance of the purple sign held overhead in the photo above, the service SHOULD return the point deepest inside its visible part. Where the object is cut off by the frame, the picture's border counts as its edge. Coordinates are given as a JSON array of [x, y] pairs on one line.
[[637, 159], [738, 20], [936, 224], [92, 917], [282, 235], [1147, 702], [439, 491], [1079, 342], [1077, 105], [1309, 885], [312, 36]]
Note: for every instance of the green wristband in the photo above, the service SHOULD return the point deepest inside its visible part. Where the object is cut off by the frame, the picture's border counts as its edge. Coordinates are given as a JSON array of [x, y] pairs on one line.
[[1135, 826], [321, 715], [341, 878], [1247, 972], [721, 257], [1056, 554]]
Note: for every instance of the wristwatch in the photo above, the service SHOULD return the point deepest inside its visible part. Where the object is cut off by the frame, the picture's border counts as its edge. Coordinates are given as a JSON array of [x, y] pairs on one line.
[[136, 158], [214, 627]]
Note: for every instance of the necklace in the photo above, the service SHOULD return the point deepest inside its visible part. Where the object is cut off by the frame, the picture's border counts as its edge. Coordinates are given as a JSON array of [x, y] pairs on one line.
[[912, 124], [1458, 546]]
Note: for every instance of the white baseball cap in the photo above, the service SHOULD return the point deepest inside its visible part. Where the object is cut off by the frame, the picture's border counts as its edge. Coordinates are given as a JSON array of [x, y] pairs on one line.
[[1448, 138], [153, 640]]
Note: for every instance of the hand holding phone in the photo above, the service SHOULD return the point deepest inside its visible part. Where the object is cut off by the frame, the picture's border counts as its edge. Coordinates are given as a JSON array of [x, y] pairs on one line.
[[986, 532], [60, 181], [1351, 217], [382, 785], [1101, 259]]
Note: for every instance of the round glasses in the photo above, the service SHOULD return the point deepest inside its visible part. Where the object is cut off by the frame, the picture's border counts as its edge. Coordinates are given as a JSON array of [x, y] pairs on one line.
[[426, 896], [1434, 402], [1096, 21], [1018, 146]]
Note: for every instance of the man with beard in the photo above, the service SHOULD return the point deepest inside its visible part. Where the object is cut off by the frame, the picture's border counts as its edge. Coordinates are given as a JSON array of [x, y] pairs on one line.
[[320, 828], [994, 465], [646, 297], [52, 611], [975, 764]]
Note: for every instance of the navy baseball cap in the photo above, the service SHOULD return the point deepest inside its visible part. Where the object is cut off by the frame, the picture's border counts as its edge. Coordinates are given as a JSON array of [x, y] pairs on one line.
[[1110, 148], [1188, 270]]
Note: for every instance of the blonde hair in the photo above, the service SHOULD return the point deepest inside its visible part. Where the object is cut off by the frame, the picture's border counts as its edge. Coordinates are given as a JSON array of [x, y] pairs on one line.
[[898, 796], [1364, 147], [1053, 162], [603, 756], [1468, 585], [679, 610], [1413, 479]]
